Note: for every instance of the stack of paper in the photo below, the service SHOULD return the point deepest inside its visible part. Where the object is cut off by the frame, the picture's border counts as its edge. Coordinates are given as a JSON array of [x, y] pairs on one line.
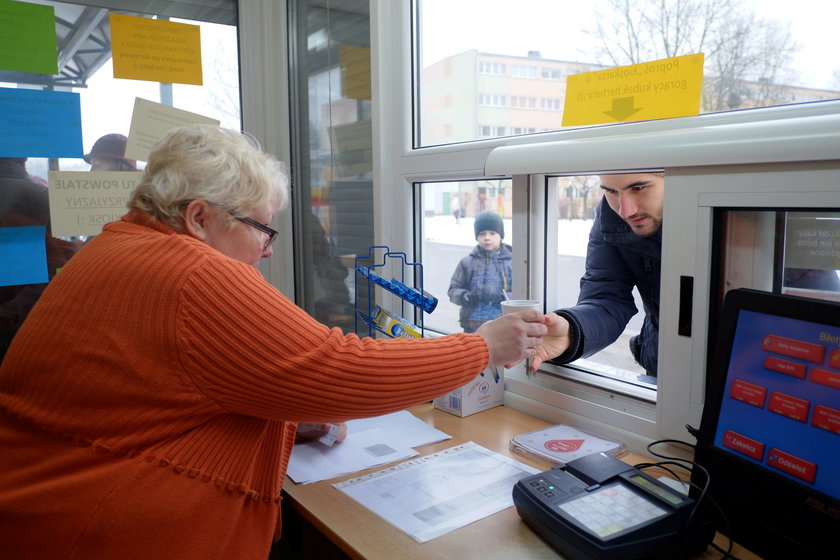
[[563, 443], [370, 442], [432, 495]]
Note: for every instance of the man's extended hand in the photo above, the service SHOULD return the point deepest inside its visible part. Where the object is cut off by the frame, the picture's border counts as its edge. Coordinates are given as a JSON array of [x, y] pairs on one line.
[[556, 341]]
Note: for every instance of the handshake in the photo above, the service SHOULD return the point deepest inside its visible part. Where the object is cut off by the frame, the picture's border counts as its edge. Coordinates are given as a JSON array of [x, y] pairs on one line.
[[524, 335]]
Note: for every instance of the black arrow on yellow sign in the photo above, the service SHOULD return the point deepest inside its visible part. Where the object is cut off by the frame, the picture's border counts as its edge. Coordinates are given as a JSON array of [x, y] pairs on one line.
[[622, 109]]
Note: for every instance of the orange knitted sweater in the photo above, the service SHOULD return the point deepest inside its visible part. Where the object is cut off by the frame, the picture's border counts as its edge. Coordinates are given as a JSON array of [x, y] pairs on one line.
[[149, 401]]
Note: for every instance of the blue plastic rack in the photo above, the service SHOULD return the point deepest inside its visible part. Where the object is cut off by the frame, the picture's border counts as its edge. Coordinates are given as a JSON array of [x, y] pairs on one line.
[[378, 257]]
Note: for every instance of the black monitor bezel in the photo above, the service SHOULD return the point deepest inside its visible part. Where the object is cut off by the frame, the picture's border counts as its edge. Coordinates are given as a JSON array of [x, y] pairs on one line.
[[765, 512]]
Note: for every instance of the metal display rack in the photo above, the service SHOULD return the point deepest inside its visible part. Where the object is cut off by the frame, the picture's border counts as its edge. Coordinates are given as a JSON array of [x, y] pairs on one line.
[[371, 270]]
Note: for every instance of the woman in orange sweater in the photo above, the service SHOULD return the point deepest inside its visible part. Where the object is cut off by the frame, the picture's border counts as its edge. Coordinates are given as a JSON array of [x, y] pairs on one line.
[[149, 402]]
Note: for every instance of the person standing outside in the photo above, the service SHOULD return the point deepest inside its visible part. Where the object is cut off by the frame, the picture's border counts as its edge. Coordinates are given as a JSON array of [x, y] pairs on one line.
[[24, 202], [624, 251], [482, 279], [108, 154], [456, 208]]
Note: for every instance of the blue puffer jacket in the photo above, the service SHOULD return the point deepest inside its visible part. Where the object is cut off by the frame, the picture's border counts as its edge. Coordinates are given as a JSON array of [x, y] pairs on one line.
[[480, 282], [616, 260]]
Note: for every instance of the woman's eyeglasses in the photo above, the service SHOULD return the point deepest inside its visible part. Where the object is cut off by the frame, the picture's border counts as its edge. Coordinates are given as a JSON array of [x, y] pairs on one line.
[[271, 233]]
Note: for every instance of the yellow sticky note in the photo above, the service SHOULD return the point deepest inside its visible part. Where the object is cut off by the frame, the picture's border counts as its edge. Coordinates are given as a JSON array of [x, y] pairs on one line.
[[355, 71], [651, 90], [156, 50]]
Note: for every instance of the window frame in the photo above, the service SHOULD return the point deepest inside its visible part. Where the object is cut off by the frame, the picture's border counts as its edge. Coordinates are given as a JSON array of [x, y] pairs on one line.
[[399, 164], [264, 91]]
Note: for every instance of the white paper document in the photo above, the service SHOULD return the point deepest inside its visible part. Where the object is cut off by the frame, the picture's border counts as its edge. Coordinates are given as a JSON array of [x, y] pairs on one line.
[[150, 122], [313, 461], [432, 495], [370, 442], [402, 426]]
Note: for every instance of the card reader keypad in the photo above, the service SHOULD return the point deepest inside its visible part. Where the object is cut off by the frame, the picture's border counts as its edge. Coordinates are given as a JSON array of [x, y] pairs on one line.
[[611, 509]]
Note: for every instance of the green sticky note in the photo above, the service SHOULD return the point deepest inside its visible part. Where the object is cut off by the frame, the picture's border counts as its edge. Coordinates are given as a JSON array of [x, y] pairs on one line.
[[27, 38]]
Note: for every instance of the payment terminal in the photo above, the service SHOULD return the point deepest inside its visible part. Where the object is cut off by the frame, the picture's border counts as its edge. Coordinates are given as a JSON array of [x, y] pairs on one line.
[[600, 508]]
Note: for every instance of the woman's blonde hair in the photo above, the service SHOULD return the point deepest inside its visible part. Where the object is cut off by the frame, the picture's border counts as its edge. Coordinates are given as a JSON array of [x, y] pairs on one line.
[[224, 167]]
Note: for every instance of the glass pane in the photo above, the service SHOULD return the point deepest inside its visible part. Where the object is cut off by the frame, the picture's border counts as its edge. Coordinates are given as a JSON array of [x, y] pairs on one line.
[[85, 67], [789, 252], [469, 273], [577, 199], [486, 70], [333, 154]]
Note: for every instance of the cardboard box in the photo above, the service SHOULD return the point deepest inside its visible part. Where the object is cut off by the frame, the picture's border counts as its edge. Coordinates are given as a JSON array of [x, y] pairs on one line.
[[484, 392]]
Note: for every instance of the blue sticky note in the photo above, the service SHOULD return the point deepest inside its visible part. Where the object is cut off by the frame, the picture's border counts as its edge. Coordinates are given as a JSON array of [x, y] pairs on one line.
[[23, 256], [36, 123]]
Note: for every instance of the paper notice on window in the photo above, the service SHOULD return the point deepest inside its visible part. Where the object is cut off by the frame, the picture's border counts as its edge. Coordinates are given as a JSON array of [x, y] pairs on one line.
[[27, 38], [432, 495], [658, 89], [156, 50], [81, 202], [151, 121], [23, 256], [35, 123]]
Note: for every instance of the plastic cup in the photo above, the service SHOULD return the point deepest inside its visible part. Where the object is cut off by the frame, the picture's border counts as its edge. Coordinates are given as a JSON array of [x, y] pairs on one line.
[[514, 305]]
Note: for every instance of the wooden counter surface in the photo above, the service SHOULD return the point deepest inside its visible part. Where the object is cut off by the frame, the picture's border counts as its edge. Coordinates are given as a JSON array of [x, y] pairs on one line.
[[361, 534]]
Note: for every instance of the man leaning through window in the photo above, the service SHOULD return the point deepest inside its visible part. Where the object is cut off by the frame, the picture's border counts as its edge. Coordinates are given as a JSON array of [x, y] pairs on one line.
[[624, 251]]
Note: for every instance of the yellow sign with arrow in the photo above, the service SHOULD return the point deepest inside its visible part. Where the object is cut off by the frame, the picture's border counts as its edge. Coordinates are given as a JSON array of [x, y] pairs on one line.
[[652, 90]]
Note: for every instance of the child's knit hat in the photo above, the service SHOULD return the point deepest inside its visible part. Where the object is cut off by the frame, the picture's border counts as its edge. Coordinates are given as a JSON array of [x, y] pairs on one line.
[[489, 221]]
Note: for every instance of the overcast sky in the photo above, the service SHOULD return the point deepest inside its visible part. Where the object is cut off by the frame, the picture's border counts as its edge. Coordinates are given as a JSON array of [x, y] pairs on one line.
[[557, 28]]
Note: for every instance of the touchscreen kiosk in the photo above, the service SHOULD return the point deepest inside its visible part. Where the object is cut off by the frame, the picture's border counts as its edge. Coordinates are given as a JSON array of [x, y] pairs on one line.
[[770, 432]]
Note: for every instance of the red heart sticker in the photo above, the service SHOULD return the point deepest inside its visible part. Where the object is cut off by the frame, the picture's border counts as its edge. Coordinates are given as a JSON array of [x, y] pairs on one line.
[[563, 445]]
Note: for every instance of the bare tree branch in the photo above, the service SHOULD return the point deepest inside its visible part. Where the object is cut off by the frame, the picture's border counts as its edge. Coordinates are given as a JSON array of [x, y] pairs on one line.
[[745, 56]]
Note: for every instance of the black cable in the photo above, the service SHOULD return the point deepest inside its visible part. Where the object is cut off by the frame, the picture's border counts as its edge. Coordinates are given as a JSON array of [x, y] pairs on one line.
[[703, 490], [689, 466], [727, 554], [683, 463], [661, 466]]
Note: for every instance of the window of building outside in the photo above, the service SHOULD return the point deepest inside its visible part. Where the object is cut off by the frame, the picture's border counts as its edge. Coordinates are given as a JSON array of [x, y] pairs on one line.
[[757, 53], [85, 67]]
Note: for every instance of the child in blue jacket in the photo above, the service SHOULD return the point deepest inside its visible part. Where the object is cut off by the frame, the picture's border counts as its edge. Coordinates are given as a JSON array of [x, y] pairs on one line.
[[483, 278]]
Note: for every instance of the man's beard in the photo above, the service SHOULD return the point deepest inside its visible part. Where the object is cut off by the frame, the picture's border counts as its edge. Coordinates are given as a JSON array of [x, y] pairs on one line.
[[651, 227]]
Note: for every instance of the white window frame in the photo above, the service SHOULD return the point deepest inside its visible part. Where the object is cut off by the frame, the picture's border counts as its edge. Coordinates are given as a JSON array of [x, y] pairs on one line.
[[551, 104], [491, 68], [672, 143], [264, 71], [524, 71], [398, 166], [492, 100]]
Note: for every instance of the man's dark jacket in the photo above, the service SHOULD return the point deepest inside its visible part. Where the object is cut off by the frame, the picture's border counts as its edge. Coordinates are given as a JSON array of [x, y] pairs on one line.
[[616, 260]]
